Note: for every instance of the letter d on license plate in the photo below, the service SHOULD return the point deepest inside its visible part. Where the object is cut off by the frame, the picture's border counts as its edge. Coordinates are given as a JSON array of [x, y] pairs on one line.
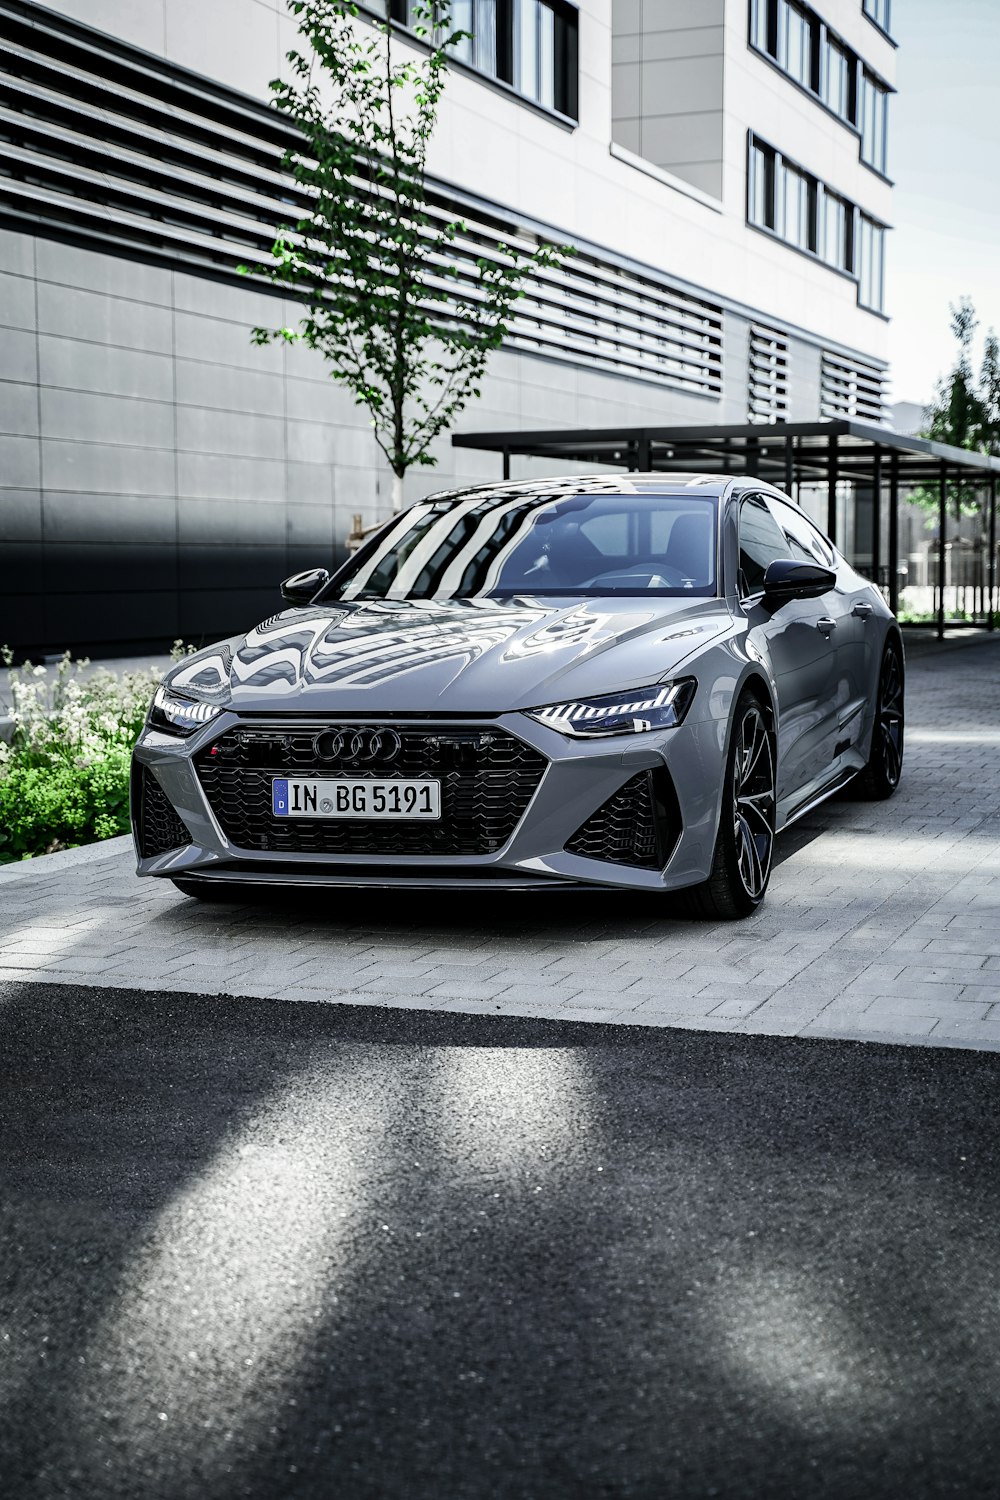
[[355, 797]]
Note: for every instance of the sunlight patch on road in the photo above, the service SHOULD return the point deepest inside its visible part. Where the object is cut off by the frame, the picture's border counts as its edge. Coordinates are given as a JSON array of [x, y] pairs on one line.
[[786, 1336], [506, 1110], [236, 1274]]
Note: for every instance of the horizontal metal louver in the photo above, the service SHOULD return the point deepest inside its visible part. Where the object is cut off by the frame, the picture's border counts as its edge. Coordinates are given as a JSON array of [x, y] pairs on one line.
[[851, 388], [767, 376], [103, 142]]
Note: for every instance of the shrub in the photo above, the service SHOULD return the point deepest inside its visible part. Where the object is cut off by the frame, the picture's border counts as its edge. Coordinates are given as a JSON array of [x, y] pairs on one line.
[[64, 775]]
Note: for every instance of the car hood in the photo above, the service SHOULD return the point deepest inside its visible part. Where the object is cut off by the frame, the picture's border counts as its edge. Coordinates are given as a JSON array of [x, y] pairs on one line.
[[462, 656]]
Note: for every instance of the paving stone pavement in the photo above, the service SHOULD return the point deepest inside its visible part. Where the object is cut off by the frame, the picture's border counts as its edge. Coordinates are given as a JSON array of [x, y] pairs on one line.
[[882, 921]]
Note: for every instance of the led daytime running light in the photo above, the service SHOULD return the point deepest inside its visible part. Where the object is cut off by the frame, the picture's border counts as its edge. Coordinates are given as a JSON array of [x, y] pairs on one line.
[[182, 715], [661, 706]]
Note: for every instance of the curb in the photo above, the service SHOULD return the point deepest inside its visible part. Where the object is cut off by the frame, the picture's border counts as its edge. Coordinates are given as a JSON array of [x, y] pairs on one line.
[[86, 854]]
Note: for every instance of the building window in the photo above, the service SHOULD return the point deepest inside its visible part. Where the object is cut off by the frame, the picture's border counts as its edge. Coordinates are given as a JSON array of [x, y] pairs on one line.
[[796, 34], [803, 212], [529, 44], [794, 38], [796, 206], [874, 121], [479, 48], [837, 78], [871, 263], [761, 197], [879, 11], [835, 239]]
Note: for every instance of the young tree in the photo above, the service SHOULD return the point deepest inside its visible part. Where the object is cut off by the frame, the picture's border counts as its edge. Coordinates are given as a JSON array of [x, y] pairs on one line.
[[404, 313], [959, 415]]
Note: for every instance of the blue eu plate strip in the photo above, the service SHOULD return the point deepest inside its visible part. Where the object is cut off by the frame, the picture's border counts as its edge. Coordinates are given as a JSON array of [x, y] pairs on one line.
[[279, 797]]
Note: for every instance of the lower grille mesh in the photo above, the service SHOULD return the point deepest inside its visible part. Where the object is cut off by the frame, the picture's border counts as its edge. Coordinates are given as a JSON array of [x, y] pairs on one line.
[[160, 828], [487, 780], [638, 826]]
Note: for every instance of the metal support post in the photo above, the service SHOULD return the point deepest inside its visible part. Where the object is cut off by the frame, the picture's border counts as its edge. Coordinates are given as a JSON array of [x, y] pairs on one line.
[[992, 568], [877, 514], [506, 463], [789, 464], [894, 533], [831, 496], [942, 553]]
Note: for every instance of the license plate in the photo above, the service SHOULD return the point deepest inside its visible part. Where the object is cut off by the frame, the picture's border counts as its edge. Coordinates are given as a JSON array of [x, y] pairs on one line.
[[355, 797]]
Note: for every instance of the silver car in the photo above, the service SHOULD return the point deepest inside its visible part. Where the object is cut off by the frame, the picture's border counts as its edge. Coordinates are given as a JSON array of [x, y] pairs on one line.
[[609, 681]]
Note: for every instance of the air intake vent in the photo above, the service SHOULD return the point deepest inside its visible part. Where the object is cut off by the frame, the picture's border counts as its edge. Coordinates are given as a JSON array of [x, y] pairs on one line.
[[851, 388], [160, 829], [767, 383], [639, 825], [109, 145]]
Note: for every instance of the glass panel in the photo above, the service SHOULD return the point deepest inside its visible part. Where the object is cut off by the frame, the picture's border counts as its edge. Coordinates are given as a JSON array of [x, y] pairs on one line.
[[501, 545], [837, 78], [794, 207], [803, 538], [463, 19], [761, 542], [795, 43], [833, 241], [546, 56], [480, 18], [526, 48], [758, 24], [871, 250], [761, 196]]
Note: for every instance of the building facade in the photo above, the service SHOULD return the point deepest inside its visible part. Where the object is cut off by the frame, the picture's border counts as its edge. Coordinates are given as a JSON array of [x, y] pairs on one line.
[[719, 167]]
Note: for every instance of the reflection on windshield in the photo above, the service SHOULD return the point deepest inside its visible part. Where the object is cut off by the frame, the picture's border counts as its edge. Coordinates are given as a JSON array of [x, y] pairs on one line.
[[498, 545]]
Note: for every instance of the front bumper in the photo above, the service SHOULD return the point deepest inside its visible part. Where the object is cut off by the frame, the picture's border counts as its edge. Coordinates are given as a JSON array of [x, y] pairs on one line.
[[682, 767]]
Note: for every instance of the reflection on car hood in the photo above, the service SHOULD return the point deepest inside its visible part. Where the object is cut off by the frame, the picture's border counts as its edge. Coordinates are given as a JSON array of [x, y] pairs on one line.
[[461, 656]]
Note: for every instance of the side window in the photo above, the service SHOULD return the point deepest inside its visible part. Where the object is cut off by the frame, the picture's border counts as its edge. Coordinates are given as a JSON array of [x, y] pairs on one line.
[[761, 541], [802, 536]]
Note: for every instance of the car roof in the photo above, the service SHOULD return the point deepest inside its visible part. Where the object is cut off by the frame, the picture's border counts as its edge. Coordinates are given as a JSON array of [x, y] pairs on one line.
[[593, 484]]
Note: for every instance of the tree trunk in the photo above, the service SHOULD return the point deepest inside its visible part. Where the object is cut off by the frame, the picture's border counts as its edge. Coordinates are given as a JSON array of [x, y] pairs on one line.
[[397, 493]]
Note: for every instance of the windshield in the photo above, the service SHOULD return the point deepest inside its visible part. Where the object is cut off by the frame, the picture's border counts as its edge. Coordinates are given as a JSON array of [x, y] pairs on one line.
[[496, 546]]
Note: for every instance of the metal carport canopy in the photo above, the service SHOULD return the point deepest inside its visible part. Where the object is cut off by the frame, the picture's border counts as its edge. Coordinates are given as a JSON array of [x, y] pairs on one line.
[[785, 453]]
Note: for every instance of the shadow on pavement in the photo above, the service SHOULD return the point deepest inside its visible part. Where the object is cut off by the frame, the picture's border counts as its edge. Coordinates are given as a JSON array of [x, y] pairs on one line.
[[256, 1249]]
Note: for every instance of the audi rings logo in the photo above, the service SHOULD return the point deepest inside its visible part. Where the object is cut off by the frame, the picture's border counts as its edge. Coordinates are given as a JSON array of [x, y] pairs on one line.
[[359, 746]]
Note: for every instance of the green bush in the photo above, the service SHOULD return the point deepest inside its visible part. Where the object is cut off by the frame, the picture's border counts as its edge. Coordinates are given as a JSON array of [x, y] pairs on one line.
[[64, 776]]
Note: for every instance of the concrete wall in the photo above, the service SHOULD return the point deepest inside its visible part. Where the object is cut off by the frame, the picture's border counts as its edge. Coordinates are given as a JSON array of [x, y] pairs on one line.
[[667, 93]]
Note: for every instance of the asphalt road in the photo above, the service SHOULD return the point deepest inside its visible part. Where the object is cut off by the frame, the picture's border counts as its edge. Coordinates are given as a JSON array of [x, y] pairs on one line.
[[263, 1249]]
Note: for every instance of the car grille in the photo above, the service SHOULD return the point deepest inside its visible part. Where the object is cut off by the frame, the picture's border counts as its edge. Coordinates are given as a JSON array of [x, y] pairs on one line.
[[487, 780], [639, 825], [158, 825]]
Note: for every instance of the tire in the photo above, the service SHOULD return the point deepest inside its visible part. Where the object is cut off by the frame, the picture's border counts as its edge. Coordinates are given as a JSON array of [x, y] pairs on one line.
[[744, 847], [209, 890], [880, 777]]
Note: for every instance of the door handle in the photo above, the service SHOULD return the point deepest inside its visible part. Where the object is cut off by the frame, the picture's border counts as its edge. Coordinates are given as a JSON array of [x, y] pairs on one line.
[[827, 625], [862, 610]]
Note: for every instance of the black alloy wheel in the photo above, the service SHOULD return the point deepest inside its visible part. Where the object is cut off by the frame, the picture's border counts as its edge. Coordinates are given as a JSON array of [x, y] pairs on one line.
[[744, 847], [880, 778]]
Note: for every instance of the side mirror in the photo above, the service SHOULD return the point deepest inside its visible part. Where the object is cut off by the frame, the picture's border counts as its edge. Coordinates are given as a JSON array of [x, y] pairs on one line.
[[302, 588], [787, 578]]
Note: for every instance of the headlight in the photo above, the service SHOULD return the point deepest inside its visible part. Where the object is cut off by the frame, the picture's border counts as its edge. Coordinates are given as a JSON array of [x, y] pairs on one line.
[[662, 706], [179, 715]]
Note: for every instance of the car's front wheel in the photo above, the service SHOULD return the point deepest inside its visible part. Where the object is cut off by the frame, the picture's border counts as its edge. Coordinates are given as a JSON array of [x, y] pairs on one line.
[[744, 847]]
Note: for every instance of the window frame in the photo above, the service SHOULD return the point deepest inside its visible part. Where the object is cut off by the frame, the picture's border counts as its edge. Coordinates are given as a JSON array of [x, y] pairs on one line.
[[565, 82]]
